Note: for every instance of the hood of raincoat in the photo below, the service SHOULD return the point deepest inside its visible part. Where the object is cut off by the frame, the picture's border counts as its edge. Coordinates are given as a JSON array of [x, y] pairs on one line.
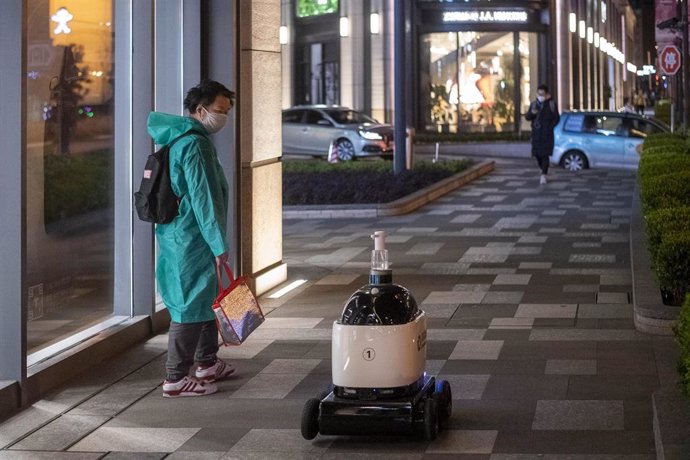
[[164, 128]]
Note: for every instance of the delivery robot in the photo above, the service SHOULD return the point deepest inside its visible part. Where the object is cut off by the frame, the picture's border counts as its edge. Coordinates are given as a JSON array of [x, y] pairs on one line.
[[378, 362]]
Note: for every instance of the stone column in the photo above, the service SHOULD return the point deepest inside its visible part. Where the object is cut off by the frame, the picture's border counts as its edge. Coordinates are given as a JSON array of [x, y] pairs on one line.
[[259, 110]]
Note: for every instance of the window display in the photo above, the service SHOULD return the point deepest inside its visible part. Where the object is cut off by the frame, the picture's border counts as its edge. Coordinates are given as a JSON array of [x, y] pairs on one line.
[[471, 78]]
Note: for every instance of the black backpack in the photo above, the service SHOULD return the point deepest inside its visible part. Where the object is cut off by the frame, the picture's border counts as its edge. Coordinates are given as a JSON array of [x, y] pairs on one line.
[[155, 201]]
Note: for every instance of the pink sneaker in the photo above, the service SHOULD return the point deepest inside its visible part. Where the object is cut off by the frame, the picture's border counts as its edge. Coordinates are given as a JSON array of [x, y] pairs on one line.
[[188, 386], [217, 371]]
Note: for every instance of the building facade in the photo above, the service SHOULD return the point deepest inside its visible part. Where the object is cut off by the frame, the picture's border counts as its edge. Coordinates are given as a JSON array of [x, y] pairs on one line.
[[77, 277], [473, 66]]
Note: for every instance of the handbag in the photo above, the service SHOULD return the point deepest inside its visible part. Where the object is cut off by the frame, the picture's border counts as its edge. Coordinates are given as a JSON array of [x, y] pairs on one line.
[[237, 311]]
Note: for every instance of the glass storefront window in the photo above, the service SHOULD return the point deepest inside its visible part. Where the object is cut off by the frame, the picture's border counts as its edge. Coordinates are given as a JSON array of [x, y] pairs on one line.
[[69, 168], [470, 79]]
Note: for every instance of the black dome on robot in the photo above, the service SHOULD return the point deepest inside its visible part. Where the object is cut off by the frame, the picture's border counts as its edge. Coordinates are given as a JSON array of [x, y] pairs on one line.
[[384, 304]]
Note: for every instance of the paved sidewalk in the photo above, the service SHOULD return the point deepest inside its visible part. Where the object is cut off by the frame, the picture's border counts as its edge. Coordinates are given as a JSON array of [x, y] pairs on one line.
[[528, 293]]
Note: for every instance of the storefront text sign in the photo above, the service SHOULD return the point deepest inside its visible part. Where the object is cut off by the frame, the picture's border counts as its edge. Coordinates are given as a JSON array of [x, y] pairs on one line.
[[486, 16]]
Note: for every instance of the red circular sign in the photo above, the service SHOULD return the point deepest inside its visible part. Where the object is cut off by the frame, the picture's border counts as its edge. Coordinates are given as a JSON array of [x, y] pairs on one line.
[[669, 59]]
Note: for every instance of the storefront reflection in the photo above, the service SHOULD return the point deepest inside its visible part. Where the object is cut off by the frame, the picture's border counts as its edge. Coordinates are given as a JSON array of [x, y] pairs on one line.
[[69, 167]]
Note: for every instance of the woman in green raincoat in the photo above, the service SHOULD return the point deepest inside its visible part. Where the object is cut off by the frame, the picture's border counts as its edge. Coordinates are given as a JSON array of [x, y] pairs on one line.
[[194, 243]]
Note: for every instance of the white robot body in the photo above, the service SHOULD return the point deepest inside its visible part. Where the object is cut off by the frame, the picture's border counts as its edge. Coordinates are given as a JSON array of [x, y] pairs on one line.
[[379, 356]]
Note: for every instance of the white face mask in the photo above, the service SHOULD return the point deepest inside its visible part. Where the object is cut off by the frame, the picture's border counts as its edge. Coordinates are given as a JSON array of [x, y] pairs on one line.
[[213, 122], [541, 98]]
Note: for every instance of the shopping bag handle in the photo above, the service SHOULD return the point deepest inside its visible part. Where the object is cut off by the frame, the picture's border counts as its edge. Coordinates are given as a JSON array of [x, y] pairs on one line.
[[228, 272]]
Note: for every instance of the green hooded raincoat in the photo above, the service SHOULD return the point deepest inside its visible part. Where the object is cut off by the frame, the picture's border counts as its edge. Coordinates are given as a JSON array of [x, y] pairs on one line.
[[186, 272]]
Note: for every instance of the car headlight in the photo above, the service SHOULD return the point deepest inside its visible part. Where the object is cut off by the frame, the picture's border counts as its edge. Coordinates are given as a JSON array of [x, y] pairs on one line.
[[370, 135]]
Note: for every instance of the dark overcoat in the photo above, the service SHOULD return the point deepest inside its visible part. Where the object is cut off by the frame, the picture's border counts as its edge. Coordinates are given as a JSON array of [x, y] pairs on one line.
[[543, 122]]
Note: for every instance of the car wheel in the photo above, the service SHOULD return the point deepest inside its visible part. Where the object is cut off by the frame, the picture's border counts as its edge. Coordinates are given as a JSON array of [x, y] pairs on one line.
[[574, 161], [345, 150]]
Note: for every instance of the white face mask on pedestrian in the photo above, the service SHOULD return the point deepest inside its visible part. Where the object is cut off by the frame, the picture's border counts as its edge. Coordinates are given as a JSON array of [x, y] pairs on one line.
[[541, 98], [213, 122]]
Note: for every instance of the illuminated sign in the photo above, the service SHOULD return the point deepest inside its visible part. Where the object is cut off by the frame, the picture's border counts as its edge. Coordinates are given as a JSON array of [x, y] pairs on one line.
[[486, 16], [62, 17]]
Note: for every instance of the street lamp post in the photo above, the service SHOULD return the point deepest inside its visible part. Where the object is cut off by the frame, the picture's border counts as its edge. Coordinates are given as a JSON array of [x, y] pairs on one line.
[[400, 152]]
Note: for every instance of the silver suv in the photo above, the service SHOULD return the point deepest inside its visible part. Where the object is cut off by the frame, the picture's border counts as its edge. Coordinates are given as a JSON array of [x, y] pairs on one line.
[[312, 129]]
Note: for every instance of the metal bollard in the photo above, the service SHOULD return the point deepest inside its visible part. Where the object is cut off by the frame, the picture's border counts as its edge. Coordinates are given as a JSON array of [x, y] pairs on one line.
[[409, 143]]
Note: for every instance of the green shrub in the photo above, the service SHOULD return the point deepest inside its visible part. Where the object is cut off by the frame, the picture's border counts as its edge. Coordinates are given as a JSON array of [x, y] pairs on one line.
[[682, 334], [662, 111], [664, 221], [667, 148], [663, 139], [445, 138], [659, 165], [309, 182], [672, 265], [665, 191]]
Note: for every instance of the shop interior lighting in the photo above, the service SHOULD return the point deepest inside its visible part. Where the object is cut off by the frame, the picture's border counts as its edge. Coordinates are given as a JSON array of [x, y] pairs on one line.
[[572, 20], [583, 29], [640, 73], [597, 39], [290, 287], [283, 35], [590, 35], [375, 23], [344, 26], [632, 68]]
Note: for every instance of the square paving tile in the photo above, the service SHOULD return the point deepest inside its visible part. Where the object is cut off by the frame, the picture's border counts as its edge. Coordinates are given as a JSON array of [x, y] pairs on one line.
[[592, 258], [337, 279], [260, 441], [533, 239], [268, 386], [613, 297], [546, 311], [477, 349], [499, 297], [571, 367], [134, 439], [605, 311], [424, 249], [466, 386], [511, 323], [61, 433], [463, 442], [465, 218], [291, 366], [579, 415], [472, 287], [535, 265], [442, 310], [526, 387], [512, 279], [48, 455], [454, 297]]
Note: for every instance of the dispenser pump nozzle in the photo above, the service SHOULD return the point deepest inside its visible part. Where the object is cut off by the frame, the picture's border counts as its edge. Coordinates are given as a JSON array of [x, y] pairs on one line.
[[379, 256]]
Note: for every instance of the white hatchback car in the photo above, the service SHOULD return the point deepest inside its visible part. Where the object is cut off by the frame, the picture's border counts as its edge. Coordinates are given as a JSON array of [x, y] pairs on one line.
[[601, 139]]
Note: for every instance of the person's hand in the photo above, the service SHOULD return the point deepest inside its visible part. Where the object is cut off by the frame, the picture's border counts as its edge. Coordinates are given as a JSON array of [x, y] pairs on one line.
[[222, 259]]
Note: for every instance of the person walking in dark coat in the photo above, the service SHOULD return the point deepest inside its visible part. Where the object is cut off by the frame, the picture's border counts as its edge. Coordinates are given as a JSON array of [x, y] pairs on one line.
[[543, 113]]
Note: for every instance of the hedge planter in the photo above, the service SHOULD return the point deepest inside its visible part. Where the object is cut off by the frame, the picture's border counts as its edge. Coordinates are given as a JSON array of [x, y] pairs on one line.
[[665, 191]]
